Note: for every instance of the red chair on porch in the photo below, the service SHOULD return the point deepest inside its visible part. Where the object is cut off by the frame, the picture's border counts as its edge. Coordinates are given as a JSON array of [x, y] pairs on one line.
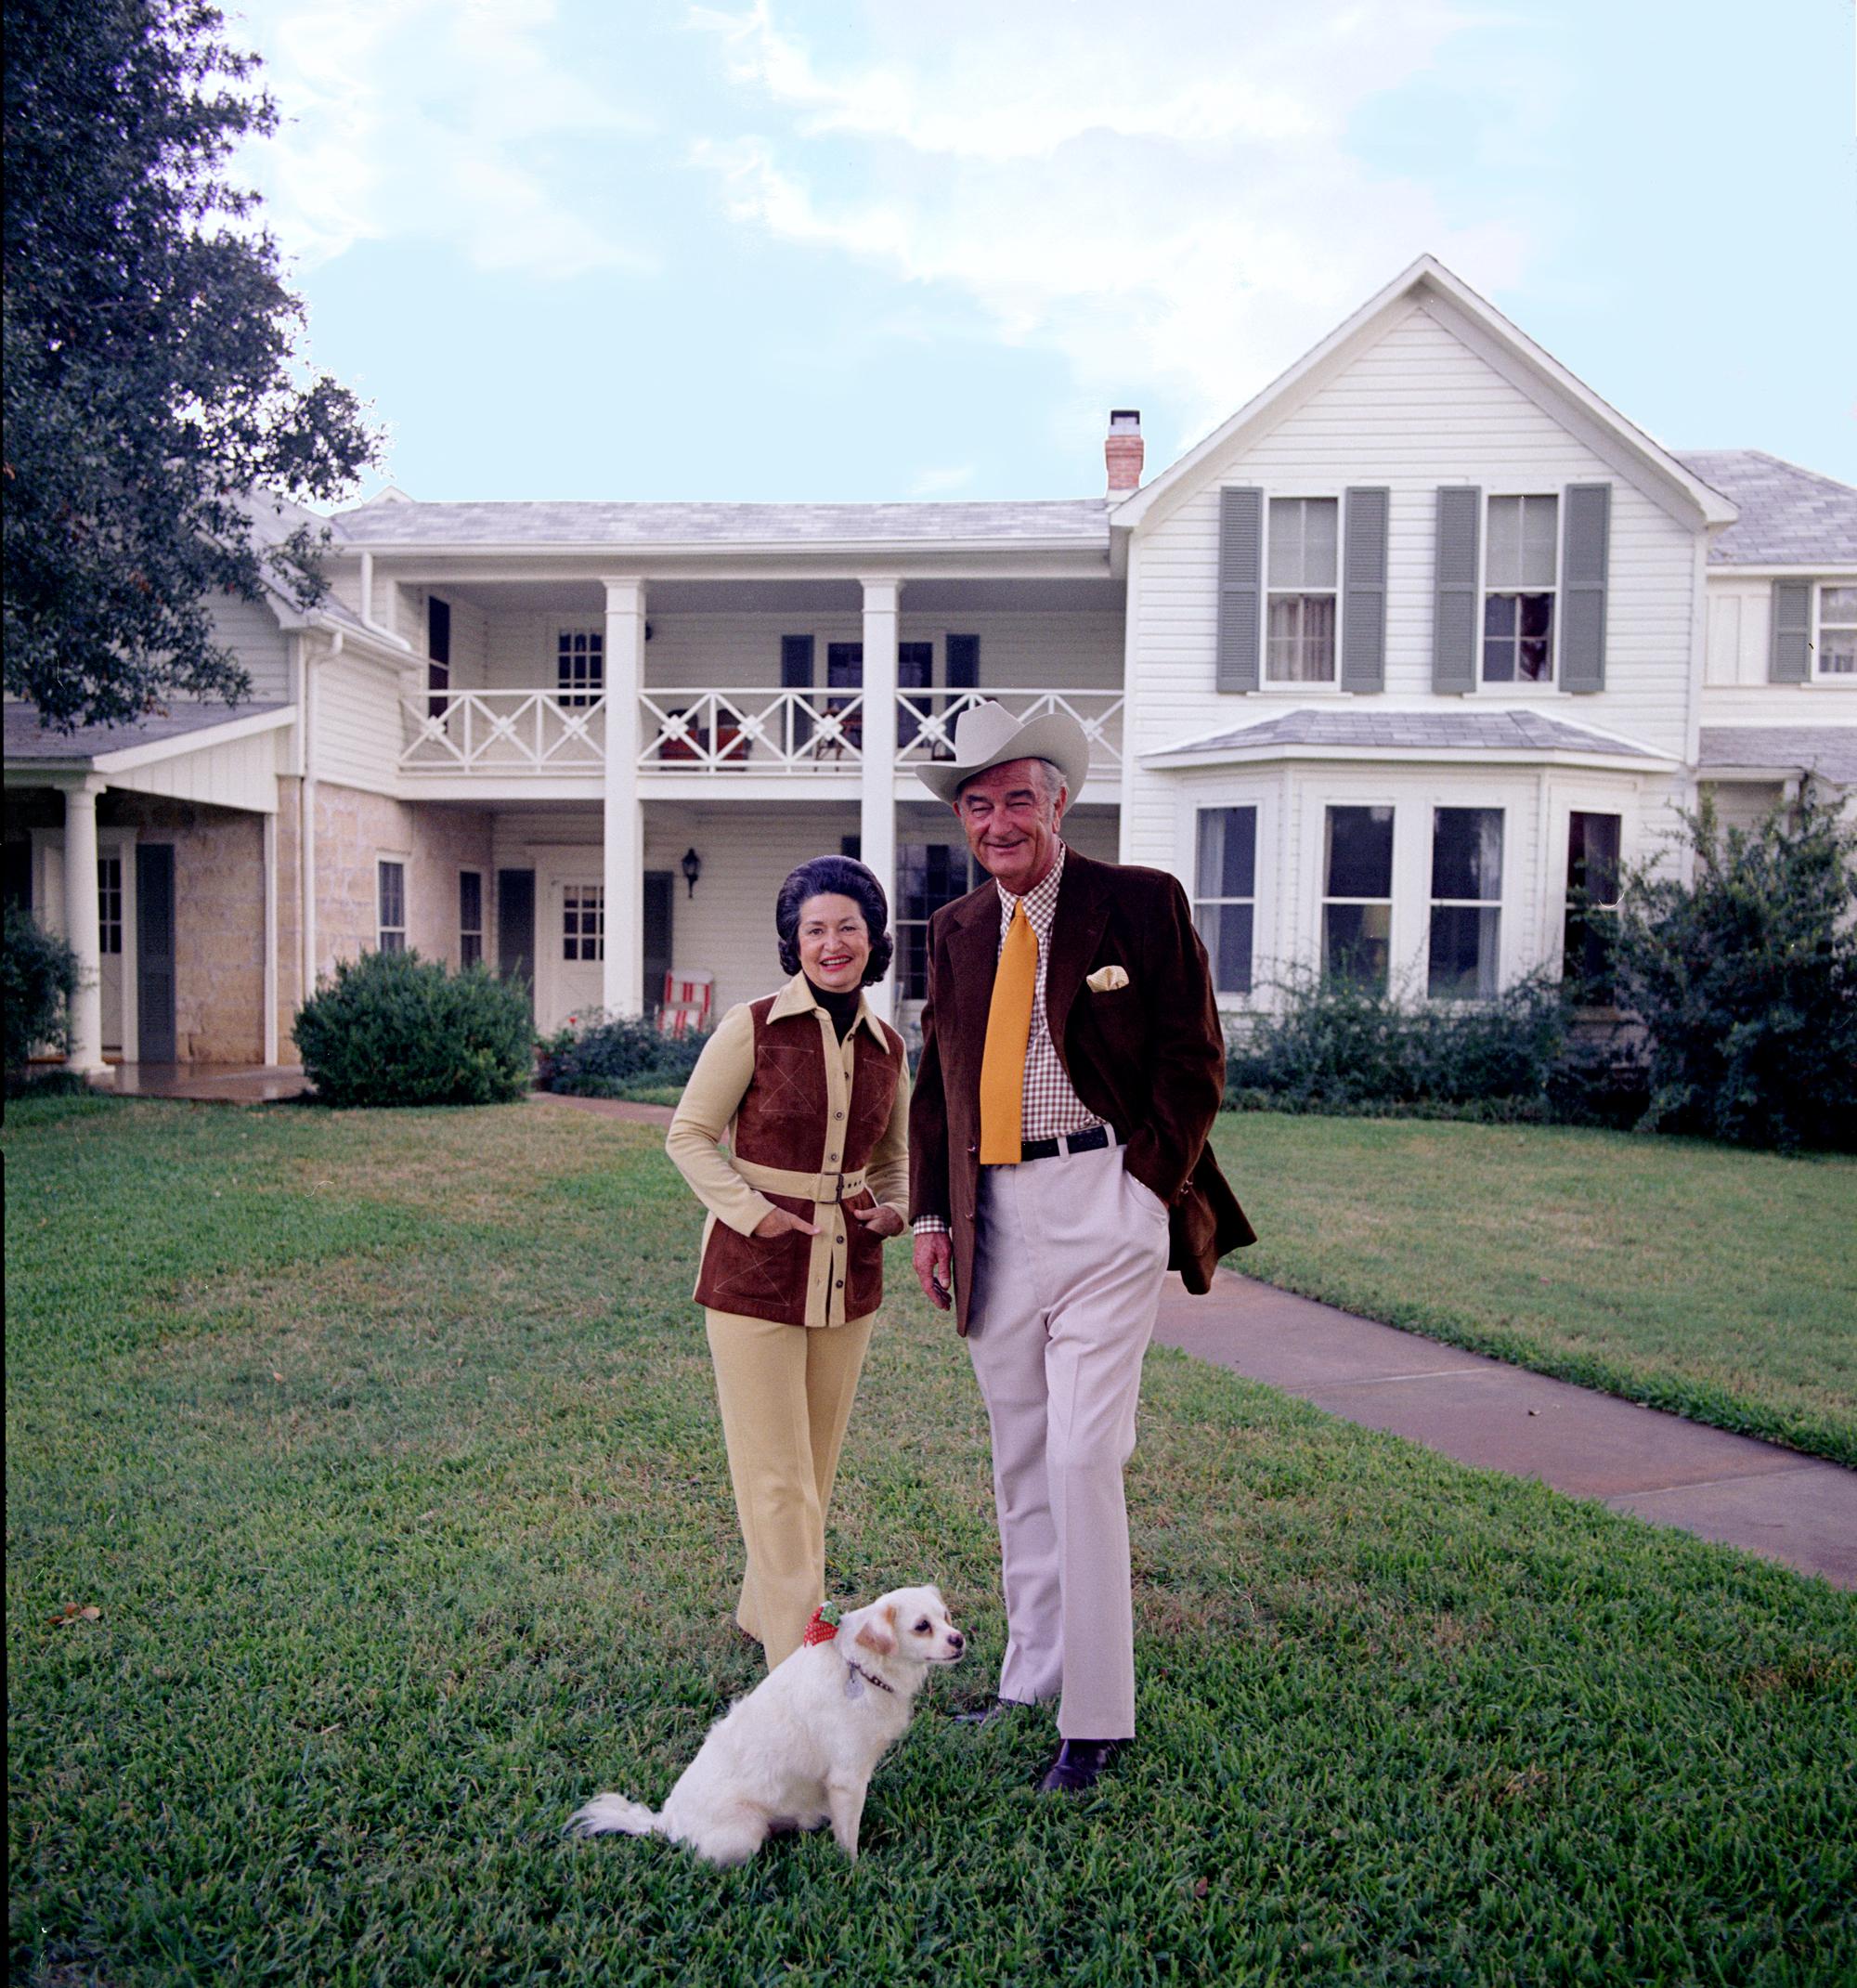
[[685, 1008]]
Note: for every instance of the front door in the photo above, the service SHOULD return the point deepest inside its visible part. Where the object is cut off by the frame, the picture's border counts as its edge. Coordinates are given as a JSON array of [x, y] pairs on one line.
[[111, 926], [155, 953], [578, 929], [659, 898]]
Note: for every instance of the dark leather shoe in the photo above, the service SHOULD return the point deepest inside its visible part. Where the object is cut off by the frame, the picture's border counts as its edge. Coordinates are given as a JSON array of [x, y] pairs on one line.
[[1078, 1763], [984, 1715]]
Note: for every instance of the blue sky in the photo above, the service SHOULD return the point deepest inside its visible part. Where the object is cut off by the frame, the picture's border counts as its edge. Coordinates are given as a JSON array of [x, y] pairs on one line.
[[761, 249]]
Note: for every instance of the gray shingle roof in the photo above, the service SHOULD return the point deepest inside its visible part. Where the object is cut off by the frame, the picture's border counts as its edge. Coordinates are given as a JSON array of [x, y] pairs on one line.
[[1790, 516], [1085, 520], [28, 739], [1466, 732], [1830, 750]]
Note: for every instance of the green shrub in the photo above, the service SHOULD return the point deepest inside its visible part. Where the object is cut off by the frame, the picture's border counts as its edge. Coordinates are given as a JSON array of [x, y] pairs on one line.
[[392, 1029], [612, 1056], [38, 977], [1745, 977], [1336, 1047]]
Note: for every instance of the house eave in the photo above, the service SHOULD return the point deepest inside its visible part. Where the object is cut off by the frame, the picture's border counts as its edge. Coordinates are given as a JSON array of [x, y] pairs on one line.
[[1463, 759]]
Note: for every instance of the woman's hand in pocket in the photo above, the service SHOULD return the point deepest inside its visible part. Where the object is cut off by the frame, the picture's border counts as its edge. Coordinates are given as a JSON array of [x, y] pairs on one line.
[[777, 1221], [880, 1220]]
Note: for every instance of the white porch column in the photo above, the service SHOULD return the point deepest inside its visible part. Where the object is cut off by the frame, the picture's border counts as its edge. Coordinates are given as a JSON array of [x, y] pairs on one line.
[[877, 811], [622, 975], [81, 924], [270, 996]]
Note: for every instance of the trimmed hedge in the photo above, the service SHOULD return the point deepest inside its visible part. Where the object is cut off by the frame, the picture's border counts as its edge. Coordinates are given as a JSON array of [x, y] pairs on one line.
[[394, 1029], [612, 1055], [38, 977]]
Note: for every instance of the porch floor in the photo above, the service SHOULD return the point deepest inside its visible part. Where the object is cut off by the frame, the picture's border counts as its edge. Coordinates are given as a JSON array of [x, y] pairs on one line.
[[206, 1083]]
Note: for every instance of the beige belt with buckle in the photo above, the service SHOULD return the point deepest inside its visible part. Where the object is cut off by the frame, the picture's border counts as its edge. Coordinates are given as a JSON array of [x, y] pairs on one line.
[[824, 1188]]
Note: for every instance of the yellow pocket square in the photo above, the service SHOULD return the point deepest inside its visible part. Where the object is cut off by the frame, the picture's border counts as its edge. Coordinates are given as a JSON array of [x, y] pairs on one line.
[[1106, 979]]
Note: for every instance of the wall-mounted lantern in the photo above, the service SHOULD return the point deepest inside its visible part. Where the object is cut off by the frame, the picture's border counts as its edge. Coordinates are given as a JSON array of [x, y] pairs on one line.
[[693, 869]]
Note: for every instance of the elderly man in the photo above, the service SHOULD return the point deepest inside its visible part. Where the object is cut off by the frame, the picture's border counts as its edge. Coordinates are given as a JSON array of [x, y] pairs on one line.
[[1072, 1066]]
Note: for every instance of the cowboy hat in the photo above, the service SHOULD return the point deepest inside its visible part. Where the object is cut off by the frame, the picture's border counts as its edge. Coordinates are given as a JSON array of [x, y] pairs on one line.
[[987, 735]]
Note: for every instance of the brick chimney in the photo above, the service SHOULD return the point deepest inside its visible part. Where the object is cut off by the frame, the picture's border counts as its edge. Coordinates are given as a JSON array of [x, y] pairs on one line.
[[1122, 451]]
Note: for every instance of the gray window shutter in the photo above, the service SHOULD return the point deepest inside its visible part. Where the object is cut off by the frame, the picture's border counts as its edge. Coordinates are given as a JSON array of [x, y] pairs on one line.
[[1454, 621], [1790, 661], [1586, 557], [1363, 606], [1241, 616]]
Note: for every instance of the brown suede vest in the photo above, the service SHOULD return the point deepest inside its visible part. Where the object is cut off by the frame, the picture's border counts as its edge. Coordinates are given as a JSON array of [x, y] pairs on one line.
[[782, 1120]]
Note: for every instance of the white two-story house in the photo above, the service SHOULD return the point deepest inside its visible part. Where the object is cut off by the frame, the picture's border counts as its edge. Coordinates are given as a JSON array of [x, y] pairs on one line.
[[1422, 637]]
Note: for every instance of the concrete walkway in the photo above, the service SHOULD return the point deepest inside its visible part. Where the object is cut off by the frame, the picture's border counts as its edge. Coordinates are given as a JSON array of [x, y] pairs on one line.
[[206, 1083], [1773, 1501]]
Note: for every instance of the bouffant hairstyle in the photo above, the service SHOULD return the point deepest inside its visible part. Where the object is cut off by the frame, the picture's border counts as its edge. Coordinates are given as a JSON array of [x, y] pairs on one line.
[[840, 877]]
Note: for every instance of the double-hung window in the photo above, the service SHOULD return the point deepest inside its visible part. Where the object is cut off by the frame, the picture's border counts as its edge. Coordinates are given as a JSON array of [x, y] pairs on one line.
[[1300, 643], [1519, 598], [579, 665], [391, 927], [1466, 903], [1357, 896], [1225, 894], [1593, 843], [1836, 631]]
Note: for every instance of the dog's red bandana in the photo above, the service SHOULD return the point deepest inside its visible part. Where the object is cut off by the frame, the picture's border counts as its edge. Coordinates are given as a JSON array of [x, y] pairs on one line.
[[824, 1623]]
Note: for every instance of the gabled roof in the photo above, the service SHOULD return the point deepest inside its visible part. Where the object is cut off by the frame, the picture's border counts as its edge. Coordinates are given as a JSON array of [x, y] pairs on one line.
[[1790, 516], [1567, 398], [106, 749], [1828, 750], [400, 521], [1469, 733]]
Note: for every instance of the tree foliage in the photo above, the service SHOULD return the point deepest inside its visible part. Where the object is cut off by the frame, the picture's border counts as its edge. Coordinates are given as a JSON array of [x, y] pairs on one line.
[[1745, 976], [153, 388]]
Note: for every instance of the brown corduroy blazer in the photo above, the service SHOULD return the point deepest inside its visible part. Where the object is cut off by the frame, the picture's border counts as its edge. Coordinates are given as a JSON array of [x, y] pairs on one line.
[[1148, 1058]]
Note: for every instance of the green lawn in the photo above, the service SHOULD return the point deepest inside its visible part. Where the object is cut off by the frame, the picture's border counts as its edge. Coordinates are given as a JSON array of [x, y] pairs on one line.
[[1717, 1283], [384, 1446]]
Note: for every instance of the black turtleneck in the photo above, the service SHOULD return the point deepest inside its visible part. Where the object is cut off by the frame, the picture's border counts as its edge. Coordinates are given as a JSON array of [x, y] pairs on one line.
[[842, 1008]]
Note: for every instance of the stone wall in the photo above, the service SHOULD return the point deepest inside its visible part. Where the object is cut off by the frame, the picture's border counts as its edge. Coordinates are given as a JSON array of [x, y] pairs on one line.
[[354, 830], [219, 920]]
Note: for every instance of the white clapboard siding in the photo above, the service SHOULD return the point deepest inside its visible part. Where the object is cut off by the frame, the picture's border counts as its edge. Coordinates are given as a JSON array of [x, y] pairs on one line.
[[1417, 410], [359, 723], [703, 651], [241, 773], [1735, 690], [250, 629]]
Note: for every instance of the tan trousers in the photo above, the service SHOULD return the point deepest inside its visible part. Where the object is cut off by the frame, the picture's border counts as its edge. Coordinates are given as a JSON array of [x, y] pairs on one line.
[[1072, 1252], [785, 1392]]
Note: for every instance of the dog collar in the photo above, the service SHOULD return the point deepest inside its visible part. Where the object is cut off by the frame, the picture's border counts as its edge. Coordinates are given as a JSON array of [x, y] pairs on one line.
[[857, 1669]]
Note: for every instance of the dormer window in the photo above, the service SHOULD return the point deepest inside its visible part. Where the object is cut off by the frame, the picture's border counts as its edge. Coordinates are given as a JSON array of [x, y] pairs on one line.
[[1518, 602], [1300, 643]]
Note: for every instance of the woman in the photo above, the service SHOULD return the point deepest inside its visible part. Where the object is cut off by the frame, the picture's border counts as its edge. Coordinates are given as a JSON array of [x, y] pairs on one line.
[[811, 1092]]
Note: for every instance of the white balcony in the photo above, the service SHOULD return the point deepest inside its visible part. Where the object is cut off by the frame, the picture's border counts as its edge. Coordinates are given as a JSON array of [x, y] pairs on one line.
[[926, 720], [720, 734], [790, 731], [503, 732]]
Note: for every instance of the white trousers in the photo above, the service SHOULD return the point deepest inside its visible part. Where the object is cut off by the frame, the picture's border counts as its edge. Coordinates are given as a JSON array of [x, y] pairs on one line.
[[1072, 1252]]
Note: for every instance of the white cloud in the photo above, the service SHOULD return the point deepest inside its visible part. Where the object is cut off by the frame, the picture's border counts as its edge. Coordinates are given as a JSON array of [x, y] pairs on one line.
[[425, 119], [1165, 195]]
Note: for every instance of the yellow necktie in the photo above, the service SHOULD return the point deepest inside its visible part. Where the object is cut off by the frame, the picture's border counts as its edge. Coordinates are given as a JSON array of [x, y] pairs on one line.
[[1008, 1029]]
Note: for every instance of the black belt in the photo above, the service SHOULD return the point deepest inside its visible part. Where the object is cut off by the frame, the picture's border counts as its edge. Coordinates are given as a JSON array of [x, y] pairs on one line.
[[1092, 1140]]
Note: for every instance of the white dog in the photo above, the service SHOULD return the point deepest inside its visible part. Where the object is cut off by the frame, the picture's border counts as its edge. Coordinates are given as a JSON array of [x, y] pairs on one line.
[[801, 1748]]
